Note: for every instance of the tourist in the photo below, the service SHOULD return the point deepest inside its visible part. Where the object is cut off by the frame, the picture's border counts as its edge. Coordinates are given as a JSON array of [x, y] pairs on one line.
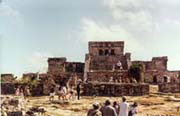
[[21, 92], [78, 90], [17, 93], [95, 111], [64, 92], [52, 94], [133, 111], [116, 107], [124, 106], [108, 110], [27, 91]]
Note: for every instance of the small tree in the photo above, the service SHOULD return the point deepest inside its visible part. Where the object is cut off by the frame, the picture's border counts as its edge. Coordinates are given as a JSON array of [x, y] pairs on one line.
[[136, 71]]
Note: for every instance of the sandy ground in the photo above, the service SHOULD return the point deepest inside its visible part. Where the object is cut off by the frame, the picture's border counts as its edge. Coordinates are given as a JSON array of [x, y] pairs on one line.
[[154, 104]]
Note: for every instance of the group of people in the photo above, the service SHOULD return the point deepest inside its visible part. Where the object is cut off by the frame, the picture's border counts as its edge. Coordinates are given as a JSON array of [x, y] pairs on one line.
[[20, 91], [64, 93], [122, 109]]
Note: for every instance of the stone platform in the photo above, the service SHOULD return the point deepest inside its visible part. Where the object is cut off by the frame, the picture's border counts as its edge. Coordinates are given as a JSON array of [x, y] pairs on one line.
[[115, 89]]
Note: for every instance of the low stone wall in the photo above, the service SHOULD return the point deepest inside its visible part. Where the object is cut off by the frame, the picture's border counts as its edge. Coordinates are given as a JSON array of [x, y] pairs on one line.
[[8, 88], [115, 89], [169, 87]]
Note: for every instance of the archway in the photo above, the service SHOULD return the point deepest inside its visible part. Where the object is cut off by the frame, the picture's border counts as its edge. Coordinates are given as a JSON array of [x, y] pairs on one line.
[[165, 78]]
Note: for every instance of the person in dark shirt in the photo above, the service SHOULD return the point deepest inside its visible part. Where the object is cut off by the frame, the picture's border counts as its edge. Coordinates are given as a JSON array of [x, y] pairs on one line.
[[78, 90]]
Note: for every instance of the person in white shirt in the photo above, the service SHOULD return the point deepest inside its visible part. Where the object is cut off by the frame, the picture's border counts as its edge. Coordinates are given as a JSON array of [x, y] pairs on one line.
[[124, 107]]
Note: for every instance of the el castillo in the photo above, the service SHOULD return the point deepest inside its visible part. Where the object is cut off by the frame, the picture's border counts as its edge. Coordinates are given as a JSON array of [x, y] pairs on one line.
[[106, 73]]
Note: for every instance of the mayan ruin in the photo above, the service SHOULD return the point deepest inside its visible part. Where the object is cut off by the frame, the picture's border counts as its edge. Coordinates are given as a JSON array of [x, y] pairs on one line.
[[89, 58], [107, 71]]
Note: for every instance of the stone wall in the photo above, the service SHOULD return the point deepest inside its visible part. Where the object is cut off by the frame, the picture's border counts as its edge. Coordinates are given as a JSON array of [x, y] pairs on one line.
[[106, 48], [157, 63], [107, 76], [115, 89], [156, 77], [106, 55], [169, 87], [8, 88]]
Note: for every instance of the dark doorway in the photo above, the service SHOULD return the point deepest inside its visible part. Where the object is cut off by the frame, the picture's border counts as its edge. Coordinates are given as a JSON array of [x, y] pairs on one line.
[[165, 79], [112, 52], [154, 79], [101, 52], [106, 52]]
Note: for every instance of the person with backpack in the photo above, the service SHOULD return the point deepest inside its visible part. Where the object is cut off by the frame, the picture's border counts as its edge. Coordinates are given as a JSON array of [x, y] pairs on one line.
[[133, 110]]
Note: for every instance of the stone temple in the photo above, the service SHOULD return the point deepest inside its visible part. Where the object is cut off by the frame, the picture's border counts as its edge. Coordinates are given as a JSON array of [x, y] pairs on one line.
[[106, 69], [106, 61], [106, 72]]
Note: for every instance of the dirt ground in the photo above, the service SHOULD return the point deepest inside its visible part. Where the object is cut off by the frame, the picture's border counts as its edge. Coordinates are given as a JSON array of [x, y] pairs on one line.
[[153, 104]]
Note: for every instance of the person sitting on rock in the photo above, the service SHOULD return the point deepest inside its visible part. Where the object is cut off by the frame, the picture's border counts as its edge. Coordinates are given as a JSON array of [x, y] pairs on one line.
[[94, 111]]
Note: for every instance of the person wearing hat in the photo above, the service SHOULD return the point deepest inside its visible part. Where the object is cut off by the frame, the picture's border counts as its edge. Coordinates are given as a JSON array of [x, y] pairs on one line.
[[133, 111], [108, 110], [94, 111]]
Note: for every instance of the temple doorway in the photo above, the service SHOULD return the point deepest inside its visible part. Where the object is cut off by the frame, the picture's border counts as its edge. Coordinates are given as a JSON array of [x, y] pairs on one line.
[[154, 79]]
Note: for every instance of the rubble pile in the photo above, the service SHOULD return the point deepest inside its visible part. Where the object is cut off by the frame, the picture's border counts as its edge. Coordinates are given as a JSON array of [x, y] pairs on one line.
[[12, 106]]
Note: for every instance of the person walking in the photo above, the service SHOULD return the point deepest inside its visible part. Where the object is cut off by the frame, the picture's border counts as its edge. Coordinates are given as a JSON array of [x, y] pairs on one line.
[[124, 107], [78, 89], [108, 110]]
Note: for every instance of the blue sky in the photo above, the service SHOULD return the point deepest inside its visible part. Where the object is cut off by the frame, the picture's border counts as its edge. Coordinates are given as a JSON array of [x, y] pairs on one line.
[[33, 30]]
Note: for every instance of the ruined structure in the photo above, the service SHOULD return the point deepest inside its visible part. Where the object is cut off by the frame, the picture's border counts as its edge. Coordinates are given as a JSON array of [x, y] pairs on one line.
[[106, 62], [106, 71], [7, 78], [62, 70], [62, 73], [107, 66], [156, 71]]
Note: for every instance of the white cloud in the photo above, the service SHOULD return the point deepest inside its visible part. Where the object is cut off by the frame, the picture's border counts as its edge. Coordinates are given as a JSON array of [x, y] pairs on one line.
[[134, 14], [91, 31], [37, 62]]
